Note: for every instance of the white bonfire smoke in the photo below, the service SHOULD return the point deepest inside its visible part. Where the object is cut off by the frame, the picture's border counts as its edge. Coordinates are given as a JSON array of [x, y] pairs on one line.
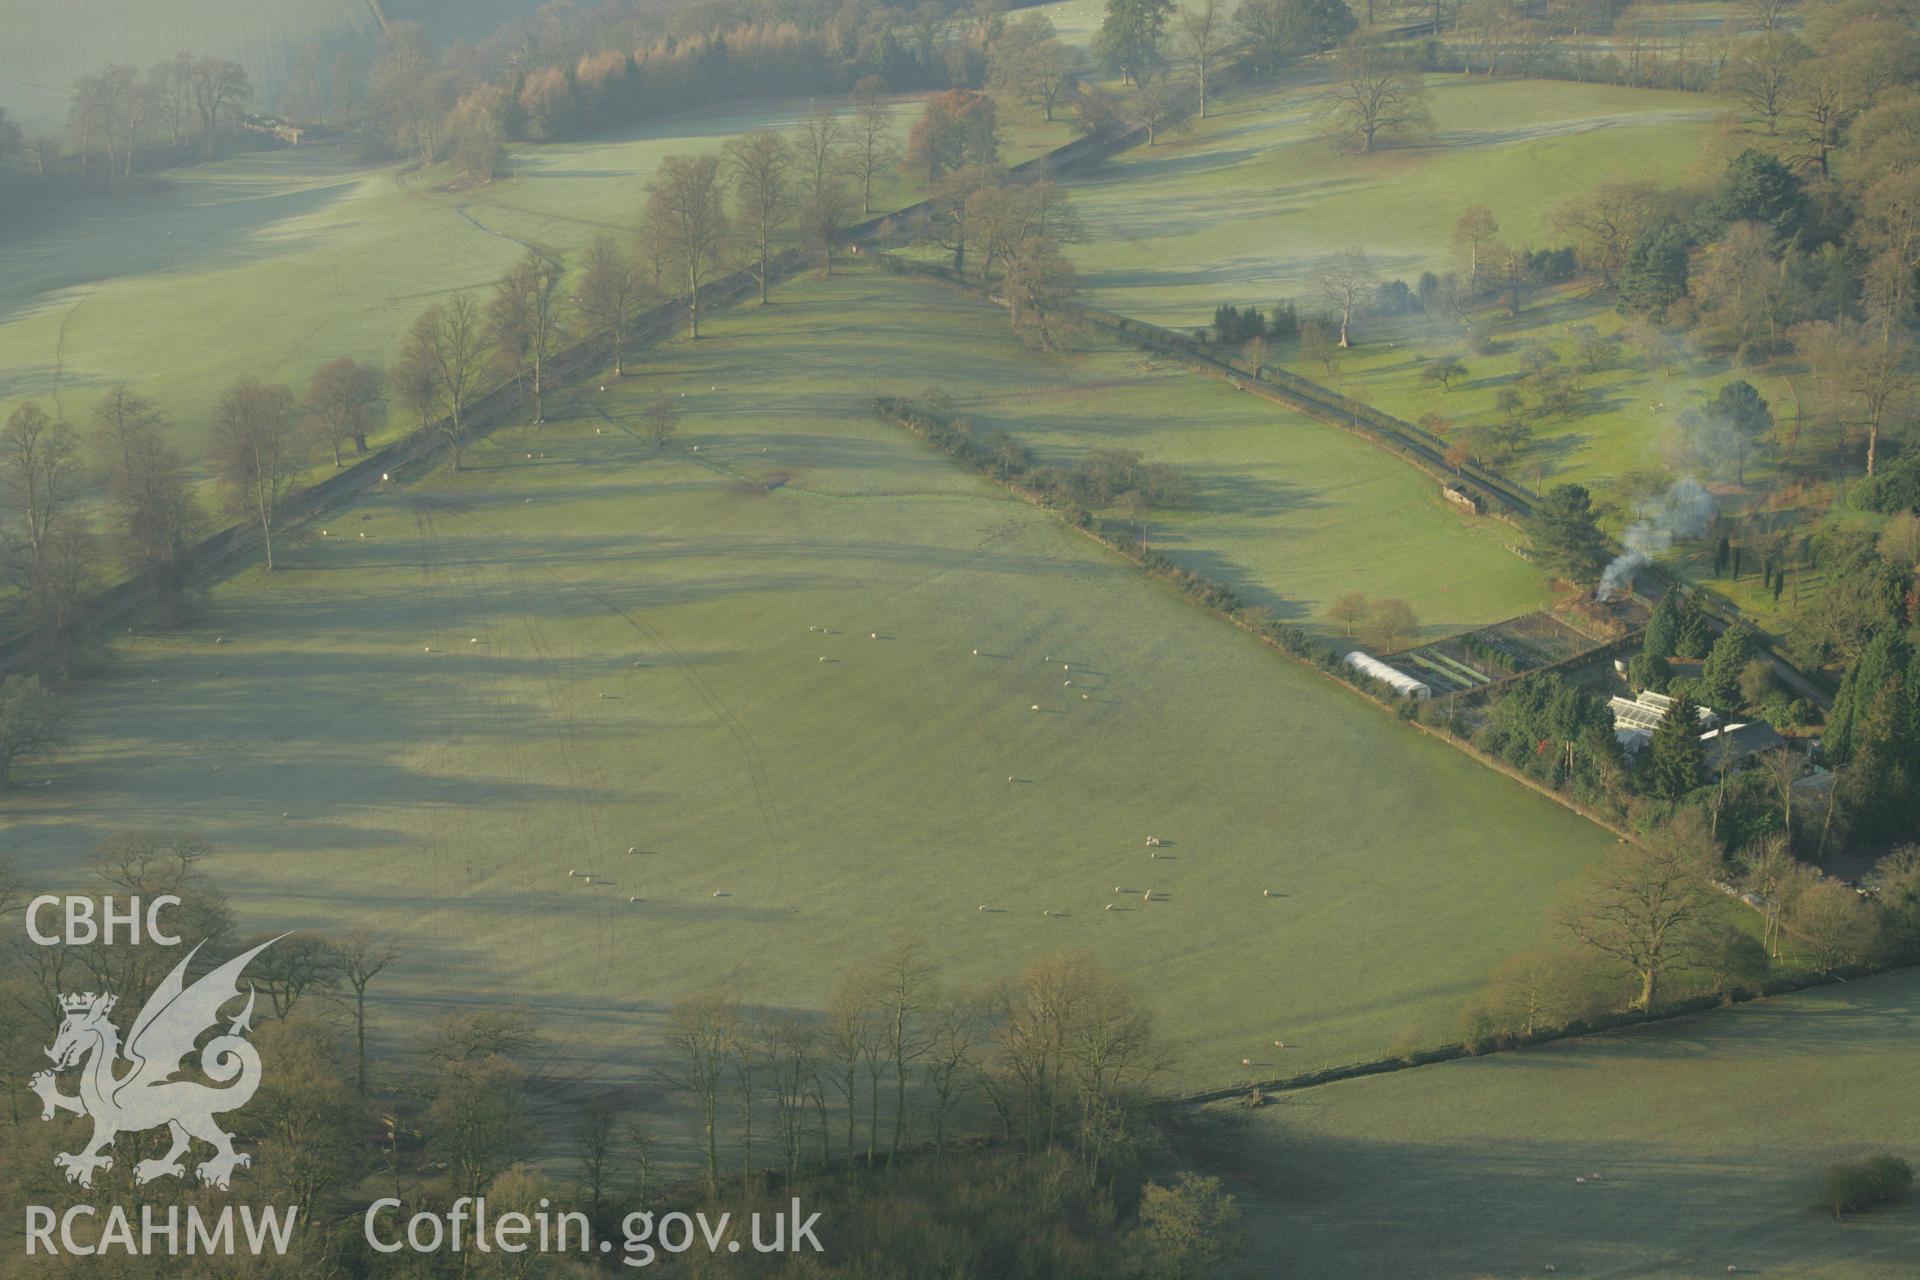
[[1685, 511]]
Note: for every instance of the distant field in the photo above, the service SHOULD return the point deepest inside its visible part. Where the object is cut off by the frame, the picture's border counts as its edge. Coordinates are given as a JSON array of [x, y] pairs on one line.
[[1626, 424], [275, 262], [1242, 208], [646, 674], [1703, 1142], [1290, 511], [48, 43]]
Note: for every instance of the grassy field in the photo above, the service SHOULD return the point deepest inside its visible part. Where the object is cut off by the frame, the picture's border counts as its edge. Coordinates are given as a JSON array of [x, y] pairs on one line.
[[1288, 510], [1623, 432], [532, 666], [1241, 208], [1709, 1138], [275, 262]]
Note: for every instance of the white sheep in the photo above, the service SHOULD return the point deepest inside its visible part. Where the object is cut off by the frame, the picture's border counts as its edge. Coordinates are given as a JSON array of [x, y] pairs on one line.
[[1036, 706], [634, 849], [633, 899], [572, 874], [873, 635], [1153, 842], [1266, 893], [1066, 684], [719, 893], [1109, 906], [976, 653]]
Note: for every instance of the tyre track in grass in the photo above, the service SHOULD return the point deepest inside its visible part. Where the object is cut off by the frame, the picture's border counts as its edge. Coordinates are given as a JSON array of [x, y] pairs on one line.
[[479, 578], [493, 703], [689, 673]]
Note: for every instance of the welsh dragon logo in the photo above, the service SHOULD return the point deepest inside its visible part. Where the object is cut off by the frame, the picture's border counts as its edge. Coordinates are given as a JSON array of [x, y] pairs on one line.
[[145, 1095]]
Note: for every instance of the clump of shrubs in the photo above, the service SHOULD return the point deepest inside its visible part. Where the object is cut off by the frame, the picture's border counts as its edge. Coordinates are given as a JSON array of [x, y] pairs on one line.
[[1868, 1184]]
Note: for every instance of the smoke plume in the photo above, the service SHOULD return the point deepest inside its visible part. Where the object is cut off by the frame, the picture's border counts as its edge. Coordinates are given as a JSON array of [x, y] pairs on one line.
[[1685, 511]]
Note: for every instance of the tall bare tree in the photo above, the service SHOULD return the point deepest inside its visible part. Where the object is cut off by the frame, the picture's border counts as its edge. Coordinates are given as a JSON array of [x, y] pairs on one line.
[[609, 296], [703, 1032], [820, 168], [154, 518], [874, 150], [258, 451], [686, 223], [1204, 40], [1376, 93], [363, 958], [40, 473], [220, 88], [758, 165], [1344, 279], [444, 361], [527, 317], [1645, 906], [345, 400]]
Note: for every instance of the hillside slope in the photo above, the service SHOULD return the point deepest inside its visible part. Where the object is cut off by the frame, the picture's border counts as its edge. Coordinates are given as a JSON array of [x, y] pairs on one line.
[[51, 42]]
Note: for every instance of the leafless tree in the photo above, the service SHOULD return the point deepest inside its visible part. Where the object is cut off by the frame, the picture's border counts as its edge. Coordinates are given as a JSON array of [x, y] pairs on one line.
[[363, 958], [686, 223], [1376, 93], [758, 164], [258, 451], [219, 89], [1344, 279], [444, 359], [703, 1031], [1643, 905], [874, 150], [609, 296], [527, 317], [1203, 39], [345, 400]]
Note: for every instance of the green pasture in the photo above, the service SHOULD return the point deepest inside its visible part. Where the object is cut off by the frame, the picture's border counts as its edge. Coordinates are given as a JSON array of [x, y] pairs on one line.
[[1241, 207], [749, 656], [1290, 511], [1623, 433], [274, 262], [1703, 1143]]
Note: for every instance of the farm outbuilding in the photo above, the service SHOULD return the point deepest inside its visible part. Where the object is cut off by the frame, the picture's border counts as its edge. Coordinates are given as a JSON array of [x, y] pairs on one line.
[[1402, 683]]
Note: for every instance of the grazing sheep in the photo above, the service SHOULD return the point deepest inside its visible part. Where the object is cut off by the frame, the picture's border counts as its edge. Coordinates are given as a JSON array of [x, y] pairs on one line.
[[1279, 1044], [219, 639], [1246, 1062], [720, 893], [981, 907], [1147, 896], [385, 476], [572, 874], [473, 639], [1153, 842], [823, 657], [603, 386], [1036, 706], [1109, 906], [1011, 778], [1066, 666], [1266, 893], [873, 635], [1083, 697], [363, 532], [634, 849], [1581, 1181], [1066, 684], [633, 899], [285, 814]]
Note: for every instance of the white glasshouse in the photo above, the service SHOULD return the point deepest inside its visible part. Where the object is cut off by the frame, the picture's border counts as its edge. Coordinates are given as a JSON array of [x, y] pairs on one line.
[[1402, 683]]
